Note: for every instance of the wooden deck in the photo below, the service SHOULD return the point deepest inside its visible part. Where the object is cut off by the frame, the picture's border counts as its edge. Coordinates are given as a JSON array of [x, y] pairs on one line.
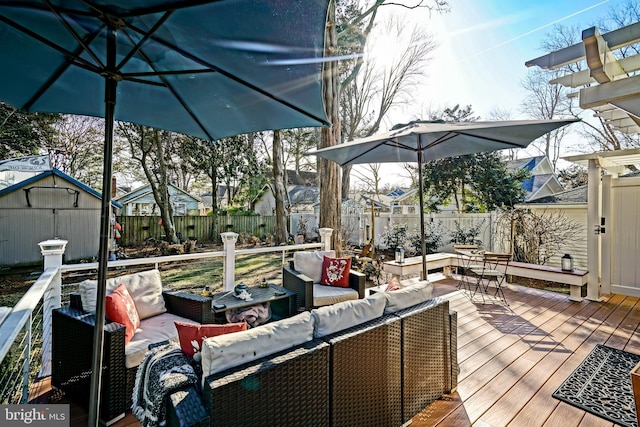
[[512, 359]]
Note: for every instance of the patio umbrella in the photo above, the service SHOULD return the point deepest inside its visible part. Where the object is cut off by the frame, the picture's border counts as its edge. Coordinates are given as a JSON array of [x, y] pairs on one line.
[[422, 141], [200, 67]]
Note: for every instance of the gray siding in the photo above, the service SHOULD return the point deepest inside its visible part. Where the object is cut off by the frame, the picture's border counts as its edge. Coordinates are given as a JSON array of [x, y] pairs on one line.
[[52, 214]]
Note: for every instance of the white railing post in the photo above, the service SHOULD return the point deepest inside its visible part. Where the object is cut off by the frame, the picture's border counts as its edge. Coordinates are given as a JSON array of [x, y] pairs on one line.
[[325, 237], [52, 251], [229, 240]]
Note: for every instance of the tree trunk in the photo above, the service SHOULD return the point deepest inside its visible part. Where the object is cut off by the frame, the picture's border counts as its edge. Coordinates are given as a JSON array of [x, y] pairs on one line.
[[330, 182], [279, 190], [346, 180]]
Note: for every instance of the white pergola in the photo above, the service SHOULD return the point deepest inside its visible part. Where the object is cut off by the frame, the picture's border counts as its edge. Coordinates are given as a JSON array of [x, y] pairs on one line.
[[611, 88]]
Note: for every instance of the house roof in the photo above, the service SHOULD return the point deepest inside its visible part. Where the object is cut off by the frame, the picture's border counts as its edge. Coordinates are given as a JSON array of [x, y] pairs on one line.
[[299, 194], [146, 189], [574, 196], [55, 172]]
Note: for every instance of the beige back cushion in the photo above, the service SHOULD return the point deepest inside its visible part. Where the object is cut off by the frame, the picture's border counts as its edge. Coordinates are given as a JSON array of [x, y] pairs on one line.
[[310, 263], [343, 315], [145, 289], [230, 350], [407, 296]]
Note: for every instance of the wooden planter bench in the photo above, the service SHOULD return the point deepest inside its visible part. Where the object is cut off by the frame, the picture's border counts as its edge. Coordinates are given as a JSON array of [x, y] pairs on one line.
[[576, 279], [413, 265]]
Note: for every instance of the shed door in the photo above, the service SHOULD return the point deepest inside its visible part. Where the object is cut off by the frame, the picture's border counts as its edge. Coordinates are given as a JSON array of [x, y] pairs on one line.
[[625, 238]]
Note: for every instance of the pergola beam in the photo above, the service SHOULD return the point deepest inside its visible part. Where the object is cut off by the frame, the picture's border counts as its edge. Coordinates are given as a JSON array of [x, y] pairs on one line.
[[583, 77], [609, 93], [615, 40], [603, 65]]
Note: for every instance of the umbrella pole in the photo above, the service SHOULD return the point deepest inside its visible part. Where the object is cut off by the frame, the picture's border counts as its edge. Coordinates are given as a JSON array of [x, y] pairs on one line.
[[105, 230], [424, 246]]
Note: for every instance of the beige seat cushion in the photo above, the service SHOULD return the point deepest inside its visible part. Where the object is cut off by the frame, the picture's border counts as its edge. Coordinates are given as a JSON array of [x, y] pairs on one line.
[[145, 289], [310, 263], [337, 317], [152, 330], [327, 295], [230, 350]]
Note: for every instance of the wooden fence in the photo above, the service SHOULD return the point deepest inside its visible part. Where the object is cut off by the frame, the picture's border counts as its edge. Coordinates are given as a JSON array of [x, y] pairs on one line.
[[138, 230]]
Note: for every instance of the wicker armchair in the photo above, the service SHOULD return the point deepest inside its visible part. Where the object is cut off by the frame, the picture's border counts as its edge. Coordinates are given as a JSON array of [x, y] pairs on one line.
[[72, 343], [302, 285]]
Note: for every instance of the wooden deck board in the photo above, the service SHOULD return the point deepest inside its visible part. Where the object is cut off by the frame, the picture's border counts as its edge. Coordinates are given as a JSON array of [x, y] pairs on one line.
[[513, 358]]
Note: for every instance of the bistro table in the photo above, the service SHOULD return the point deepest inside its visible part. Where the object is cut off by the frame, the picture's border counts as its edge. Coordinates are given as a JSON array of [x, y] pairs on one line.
[[281, 300]]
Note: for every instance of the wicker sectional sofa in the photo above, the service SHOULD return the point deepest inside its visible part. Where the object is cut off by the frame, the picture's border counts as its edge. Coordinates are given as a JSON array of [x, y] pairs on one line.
[[373, 361], [73, 329]]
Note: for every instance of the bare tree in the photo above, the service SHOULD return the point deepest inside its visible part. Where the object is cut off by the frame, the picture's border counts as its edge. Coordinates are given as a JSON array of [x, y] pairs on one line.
[[76, 148], [547, 101], [151, 148], [354, 30], [381, 85], [536, 236]]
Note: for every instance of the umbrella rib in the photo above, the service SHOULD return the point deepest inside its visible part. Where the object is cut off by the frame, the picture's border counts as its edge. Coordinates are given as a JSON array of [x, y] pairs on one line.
[[146, 36], [174, 93], [75, 35], [79, 61], [72, 57], [451, 135], [231, 76]]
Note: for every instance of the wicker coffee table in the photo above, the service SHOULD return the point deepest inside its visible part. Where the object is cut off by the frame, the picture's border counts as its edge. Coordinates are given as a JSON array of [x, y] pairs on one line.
[[282, 301]]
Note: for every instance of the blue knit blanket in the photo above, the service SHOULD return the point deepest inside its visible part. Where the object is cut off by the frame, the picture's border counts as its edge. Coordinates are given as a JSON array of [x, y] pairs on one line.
[[164, 369]]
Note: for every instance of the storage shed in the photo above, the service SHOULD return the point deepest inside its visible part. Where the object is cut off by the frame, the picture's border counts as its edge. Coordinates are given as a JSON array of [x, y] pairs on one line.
[[50, 204]]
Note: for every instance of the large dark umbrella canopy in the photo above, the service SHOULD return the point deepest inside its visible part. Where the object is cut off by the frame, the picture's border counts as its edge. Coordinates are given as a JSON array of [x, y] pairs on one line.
[[205, 68], [423, 141]]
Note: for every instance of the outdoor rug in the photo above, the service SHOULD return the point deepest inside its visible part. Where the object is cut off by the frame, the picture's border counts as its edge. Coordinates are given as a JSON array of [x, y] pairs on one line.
[[601, 384]]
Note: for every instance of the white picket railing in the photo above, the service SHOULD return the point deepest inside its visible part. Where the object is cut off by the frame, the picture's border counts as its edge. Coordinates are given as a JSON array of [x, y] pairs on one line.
[[27, 325]]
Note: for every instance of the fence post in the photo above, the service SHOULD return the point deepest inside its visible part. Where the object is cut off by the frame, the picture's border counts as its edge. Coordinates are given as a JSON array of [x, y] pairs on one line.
[[52, 251], [229, 239], [325, 237]]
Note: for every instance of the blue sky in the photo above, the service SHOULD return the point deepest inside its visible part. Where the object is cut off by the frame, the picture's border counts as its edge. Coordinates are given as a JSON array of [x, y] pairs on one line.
[[483, 46]]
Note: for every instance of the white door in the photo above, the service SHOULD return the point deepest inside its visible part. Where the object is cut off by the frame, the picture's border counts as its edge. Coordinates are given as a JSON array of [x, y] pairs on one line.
[[625, 236]]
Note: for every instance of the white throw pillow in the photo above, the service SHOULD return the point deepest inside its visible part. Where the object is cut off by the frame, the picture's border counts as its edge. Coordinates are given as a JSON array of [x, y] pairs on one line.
[[145, 289], [310, 263], [343, 315], [231, 350], [407, 296]]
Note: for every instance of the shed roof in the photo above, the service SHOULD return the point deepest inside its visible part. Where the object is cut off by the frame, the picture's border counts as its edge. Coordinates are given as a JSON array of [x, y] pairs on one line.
[[55, 172]]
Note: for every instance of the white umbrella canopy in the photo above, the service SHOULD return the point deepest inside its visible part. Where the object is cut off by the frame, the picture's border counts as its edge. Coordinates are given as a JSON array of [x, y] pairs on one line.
[[438, 140], [423, 141]]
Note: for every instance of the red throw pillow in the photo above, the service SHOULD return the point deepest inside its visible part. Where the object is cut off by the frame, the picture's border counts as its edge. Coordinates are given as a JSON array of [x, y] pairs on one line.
[[393, 285], [188, 332], [120, 308], [335, 271]]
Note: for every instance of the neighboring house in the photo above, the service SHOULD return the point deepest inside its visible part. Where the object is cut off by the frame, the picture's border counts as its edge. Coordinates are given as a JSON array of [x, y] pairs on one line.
[[222, 199], [302, 189], [404, 201], [140, 202], [50, 204], [543, 180]]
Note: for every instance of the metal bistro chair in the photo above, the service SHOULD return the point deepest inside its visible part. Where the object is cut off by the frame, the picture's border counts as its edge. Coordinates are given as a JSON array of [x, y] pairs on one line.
[[493, 271], [466, 261]]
